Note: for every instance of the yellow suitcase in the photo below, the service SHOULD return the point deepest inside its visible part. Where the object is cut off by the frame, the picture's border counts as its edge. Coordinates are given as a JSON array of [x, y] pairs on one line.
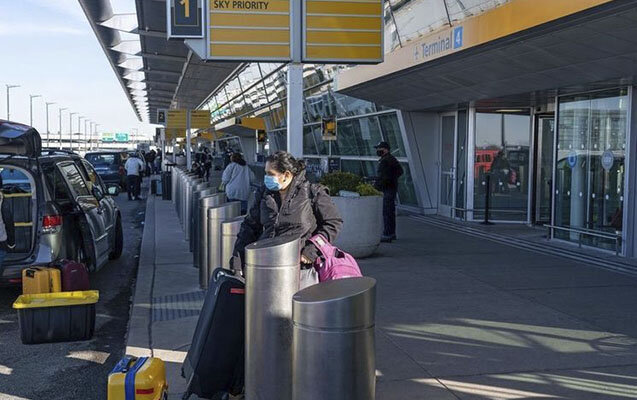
[[142, 378], [37, 280]]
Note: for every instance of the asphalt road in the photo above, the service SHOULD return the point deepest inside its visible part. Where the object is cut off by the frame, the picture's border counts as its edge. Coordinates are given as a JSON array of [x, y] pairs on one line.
[[76, 370]]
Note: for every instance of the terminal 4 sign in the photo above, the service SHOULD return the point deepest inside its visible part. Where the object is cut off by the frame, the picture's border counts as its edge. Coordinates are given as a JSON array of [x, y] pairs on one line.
[[313, 31]]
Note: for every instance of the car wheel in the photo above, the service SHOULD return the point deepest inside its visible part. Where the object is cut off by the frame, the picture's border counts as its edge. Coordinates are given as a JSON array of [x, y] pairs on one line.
[[118, 245], [81, 257]]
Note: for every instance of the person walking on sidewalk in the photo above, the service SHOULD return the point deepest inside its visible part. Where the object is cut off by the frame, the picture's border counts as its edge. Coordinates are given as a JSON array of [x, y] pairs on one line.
[[236, 179], [389, 170], [289, 205], [134, 167]]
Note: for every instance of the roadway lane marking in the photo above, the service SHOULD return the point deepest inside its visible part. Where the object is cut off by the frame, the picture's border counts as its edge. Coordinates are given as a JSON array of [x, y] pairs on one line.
[[4, 370], [98, 357]]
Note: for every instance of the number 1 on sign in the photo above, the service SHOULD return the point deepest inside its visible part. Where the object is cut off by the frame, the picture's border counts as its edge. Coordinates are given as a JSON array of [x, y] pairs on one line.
[[186, 4]]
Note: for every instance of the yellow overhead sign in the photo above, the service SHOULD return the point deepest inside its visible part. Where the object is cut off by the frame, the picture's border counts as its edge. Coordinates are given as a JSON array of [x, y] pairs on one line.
[[248, 30], [200, 119], [175, 133], [176, 119], [343, 31]]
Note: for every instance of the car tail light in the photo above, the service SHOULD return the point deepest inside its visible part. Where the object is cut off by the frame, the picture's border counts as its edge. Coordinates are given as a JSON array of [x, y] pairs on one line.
[[51, 223], [145, 391], [15, 280]]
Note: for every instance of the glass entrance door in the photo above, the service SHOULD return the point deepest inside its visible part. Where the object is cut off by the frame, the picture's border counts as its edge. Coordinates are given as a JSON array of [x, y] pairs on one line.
[[544, 168], [447, 164], [590, 170]]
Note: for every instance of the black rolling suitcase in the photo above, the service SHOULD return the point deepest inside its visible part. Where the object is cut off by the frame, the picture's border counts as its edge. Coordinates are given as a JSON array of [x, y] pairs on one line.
[[214, 366]]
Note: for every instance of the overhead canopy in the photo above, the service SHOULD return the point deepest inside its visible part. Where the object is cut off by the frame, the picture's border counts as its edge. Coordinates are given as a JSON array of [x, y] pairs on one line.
[[153, 71], [241, 126], [595, 45]]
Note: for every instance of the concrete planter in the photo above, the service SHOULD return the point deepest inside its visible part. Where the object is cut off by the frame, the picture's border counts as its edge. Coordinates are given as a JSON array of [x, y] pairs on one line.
[[362, 224]]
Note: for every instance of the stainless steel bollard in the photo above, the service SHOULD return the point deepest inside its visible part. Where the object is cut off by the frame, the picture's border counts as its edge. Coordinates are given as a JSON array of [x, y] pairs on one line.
[[196, 184], [184, 196], [194, 222], [334, 339], [229, 231], [272, 278], [200, 257], [176, 173], [216, 216]]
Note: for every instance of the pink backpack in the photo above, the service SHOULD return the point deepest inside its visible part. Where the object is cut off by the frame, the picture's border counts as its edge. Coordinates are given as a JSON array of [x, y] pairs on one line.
[[334, 263]]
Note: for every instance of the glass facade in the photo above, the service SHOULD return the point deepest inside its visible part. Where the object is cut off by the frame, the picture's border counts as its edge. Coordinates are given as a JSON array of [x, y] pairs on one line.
[[408, 19], [501, 164], [260, 90], [590, 170]]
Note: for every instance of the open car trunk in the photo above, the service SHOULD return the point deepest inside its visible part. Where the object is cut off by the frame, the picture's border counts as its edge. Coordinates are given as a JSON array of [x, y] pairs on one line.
[[19, 191], [18, 186]]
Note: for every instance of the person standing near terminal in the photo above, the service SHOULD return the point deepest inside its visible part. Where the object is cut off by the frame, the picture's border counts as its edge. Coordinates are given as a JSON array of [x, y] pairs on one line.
[[389, 170], [237, 178], [134, 167], [289, 205]]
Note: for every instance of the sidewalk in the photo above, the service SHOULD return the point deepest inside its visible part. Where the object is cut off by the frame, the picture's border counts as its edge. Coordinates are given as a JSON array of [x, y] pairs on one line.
[[458, 317]]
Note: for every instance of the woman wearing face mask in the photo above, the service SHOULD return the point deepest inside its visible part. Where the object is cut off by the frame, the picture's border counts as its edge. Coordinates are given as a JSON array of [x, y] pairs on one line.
[[288, 204]]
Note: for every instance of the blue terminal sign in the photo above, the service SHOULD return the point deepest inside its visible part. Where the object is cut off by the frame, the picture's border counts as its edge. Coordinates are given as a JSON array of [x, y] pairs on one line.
[[185, 19]]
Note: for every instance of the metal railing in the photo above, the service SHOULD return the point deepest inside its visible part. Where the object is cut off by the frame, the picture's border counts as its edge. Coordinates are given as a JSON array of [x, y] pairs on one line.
[[617, 237]]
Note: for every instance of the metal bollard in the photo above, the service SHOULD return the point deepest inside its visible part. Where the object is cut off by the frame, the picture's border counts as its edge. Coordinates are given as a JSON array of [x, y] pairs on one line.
[[272, 278], [190, 182], [194, 223], [176, 172], [334, 338], [197, 184], [182, 196], [216, 216], [229, 231], [200, 256]]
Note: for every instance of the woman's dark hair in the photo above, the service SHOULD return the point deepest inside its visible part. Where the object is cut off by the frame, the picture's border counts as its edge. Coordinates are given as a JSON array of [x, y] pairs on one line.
[[282, 161], [237, 158]]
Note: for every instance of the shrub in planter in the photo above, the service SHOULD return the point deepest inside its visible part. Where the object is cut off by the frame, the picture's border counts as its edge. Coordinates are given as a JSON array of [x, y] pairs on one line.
[[362, 216], [337, 181]]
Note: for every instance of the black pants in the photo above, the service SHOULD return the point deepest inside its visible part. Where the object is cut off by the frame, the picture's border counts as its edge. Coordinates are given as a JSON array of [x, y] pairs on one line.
[[134, 186], [389, 212]]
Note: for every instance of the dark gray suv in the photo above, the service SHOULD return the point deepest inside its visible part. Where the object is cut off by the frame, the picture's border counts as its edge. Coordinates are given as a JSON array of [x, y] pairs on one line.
[[61, 208]]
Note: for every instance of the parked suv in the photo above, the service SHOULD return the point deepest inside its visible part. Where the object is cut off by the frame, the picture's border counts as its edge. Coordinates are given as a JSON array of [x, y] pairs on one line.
[[110, 166], [61, 207]]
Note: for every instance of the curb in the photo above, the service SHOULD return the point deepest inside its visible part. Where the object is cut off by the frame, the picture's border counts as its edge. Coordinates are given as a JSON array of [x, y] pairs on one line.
[[138, 340]]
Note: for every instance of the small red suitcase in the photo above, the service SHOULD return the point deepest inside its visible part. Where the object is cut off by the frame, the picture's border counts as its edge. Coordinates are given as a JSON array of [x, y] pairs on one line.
[[74, 275]]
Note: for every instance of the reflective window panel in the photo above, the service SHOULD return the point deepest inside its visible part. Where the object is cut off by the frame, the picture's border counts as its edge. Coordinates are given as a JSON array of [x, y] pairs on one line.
[[503, 142], [591, 151]]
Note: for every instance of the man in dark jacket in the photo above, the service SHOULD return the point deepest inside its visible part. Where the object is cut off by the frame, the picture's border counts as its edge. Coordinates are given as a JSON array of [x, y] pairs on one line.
[[389, 170]]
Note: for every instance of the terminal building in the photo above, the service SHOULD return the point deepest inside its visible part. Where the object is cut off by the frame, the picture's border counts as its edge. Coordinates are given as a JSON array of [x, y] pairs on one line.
[[528, 100]]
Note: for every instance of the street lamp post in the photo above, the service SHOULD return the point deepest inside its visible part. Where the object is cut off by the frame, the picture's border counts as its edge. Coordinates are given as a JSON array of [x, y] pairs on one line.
[[47, 121], [60, 131], [79, 131], [86, 121], [96, 125], [31, 97], [9, 87], [71, 114]]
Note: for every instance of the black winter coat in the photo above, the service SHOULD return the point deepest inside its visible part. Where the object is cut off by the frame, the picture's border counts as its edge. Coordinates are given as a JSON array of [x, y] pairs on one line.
[[389, 170], [306, 211]]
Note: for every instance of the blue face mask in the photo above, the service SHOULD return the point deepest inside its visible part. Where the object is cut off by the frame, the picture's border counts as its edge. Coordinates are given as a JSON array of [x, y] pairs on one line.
[[271, 183]]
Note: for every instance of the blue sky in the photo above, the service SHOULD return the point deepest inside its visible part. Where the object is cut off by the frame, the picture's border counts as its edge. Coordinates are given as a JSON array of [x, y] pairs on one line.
[[48, 48]]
